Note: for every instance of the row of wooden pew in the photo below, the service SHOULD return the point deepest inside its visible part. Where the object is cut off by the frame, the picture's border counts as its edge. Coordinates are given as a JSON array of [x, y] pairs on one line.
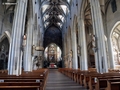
[[92, 80], [35, 80]]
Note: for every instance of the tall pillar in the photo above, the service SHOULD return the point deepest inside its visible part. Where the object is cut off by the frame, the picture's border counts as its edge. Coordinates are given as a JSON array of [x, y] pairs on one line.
[[65, 50], [28, 49], [35, 34], [70, 52], [111, 57], [100, 52], [28, 65], [83, 47], [41, 53], [74, 49], [69, 42], [69, 49], [15, 52]]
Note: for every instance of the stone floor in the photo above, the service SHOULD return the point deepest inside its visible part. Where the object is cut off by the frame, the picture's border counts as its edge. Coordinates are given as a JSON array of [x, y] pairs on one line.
[[58, 81]]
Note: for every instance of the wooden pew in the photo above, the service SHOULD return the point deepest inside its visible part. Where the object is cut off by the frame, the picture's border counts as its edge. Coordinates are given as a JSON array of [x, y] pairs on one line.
[[85, 76], [38, 76], [93, 80], [20, 85], [108, 82], [111, 85], [99, 81], [76, 75]]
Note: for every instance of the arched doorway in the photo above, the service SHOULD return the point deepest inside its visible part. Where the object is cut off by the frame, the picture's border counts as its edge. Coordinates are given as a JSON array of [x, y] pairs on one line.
[[52, 56], [4, 52], [115, 39]]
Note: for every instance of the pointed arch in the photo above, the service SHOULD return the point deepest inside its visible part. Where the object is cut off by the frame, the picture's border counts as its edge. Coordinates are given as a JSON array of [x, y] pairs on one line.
[[114, 41], [116, 24], [82, 9], [4, 35]]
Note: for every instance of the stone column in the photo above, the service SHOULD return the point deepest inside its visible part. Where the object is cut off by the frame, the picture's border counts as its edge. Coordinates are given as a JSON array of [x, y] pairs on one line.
[[100, 50], [28, 49], [111, 55], [69, 48], [28, 65], [65, 50], [64, 45], [41, 53], [83, 47], [15, 52], [74, 49]]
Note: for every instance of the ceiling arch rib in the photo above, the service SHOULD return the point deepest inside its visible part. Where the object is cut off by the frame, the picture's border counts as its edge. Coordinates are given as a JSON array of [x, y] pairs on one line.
[[54, 22], [54, 12], [66, 2], [55, 25], [59, 20]]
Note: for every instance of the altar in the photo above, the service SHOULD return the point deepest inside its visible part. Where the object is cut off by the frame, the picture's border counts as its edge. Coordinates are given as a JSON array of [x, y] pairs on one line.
[[52, 65]]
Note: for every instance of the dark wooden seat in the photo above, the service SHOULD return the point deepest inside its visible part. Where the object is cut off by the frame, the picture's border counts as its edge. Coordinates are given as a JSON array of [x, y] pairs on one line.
[[92, 80], [106, 83], [19, 88], [35, 80], [113, 85]]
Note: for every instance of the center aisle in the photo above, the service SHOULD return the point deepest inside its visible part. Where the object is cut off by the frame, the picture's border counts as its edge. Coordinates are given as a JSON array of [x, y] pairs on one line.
[[58, 81]]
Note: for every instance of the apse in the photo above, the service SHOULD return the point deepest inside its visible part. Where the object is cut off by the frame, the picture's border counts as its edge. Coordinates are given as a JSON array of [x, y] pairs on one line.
[[52, 51], [52, 56]]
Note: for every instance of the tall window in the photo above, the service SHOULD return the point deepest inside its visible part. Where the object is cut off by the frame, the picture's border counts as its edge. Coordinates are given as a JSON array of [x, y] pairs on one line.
[[113, 5]]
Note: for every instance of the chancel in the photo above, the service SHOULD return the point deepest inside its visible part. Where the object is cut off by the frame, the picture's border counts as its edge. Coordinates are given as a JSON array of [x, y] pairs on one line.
[[59, 44], [53, 56]]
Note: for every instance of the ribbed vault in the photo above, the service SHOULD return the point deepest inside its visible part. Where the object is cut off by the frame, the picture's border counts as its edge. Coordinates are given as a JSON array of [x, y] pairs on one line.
[[54, 13]]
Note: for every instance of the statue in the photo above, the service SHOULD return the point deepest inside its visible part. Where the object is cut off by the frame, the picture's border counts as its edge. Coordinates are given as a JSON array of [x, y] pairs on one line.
[[37, 62], [34, 62], [94, 46]]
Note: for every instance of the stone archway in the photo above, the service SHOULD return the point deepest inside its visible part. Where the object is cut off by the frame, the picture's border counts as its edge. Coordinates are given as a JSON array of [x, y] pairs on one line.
[[6, 34], [115, 45], [52, 56]]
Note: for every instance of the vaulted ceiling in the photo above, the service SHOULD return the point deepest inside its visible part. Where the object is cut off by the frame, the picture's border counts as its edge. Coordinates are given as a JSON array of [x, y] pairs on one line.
[[54, 12]]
